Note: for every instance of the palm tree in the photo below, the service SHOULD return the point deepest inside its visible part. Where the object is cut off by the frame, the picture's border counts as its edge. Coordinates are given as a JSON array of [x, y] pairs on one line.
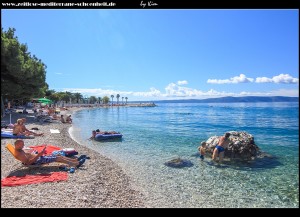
[[78, 96], [122, 99], [92, 99], [126, 99], [105, 100], [118, 96], [112, 99]]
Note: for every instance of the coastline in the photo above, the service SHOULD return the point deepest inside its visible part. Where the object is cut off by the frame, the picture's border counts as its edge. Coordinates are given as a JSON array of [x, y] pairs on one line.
[[99, 183]]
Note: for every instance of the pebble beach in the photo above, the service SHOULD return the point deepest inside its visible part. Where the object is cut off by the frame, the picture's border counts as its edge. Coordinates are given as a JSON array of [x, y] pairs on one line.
[[99, 183]]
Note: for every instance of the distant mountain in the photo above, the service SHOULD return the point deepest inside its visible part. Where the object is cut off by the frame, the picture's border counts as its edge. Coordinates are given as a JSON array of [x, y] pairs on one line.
[[230, 99]]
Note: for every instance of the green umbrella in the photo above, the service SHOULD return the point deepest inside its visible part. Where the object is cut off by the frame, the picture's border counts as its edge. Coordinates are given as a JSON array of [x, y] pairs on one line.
[[45, 101]]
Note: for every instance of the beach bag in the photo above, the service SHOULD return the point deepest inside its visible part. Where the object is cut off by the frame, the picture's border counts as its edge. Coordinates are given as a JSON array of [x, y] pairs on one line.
[[67, 152]]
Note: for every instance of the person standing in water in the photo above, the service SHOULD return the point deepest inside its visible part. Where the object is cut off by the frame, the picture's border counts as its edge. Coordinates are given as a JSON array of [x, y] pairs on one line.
[[220, 148], [202, 150]]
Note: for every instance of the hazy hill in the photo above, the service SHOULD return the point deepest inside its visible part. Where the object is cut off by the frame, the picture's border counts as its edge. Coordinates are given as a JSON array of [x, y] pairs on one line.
[[230, 99]]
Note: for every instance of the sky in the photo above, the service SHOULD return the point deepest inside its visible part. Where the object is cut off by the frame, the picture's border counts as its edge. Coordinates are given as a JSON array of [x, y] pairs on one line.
[[163, 54]]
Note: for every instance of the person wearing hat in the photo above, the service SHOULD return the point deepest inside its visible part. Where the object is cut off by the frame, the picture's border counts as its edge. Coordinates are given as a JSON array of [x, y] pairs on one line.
[[220, 148]]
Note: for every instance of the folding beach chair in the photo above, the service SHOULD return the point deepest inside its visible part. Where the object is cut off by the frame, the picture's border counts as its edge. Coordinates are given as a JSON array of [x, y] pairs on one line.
[[12, 150]]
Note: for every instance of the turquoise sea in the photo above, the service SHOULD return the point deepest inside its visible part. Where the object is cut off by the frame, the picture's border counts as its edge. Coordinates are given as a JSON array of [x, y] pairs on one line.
[[154, 135]]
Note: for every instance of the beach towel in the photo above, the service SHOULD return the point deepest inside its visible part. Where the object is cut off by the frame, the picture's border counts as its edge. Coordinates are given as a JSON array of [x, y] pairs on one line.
[[9, 134], [54, 131], [33, 179], [48, 151]]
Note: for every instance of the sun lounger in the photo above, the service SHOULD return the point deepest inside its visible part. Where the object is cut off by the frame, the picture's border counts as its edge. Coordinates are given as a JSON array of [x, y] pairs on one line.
[[43, 118], [12, 150]]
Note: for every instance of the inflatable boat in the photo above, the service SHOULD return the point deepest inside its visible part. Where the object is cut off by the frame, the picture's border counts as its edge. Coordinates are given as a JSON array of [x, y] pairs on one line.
[[100, 137]]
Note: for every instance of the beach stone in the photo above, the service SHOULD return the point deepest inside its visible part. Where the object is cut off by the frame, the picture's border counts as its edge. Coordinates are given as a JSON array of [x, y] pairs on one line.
[[179, 163], [99, 183], [241, 146]]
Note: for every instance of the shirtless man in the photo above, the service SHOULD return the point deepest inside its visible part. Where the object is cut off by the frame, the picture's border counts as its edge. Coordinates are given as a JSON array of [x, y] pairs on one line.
[[26, 131], [29, 157], [220, 148]]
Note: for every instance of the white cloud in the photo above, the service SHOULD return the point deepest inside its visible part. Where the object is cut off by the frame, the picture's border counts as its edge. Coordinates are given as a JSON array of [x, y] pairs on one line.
[[278, 79], [282, 79], [175, 91], [182, 82], [152, 93], [98, 92], [235, 80], [263, 80]]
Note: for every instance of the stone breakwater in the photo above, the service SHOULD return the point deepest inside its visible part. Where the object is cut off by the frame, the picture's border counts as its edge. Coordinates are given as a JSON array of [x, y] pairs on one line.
[[99, 183]]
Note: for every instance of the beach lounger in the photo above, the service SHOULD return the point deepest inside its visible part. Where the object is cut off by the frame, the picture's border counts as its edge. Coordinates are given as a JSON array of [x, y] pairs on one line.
[[43, 118], [12, 150]]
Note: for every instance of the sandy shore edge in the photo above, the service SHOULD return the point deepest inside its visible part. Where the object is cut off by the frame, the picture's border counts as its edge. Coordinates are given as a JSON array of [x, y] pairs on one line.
[[100, 183]]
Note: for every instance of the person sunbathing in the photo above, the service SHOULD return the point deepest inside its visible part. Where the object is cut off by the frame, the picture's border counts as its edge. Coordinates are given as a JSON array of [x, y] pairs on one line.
[[62, 119], [69, 119], [105, 132], [29, 157], [18, 128], [95, 132], [55, 117], [28, 132]]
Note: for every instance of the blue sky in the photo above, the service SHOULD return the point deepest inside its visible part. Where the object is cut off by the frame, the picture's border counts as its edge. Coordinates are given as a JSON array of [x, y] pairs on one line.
[[164, 54]]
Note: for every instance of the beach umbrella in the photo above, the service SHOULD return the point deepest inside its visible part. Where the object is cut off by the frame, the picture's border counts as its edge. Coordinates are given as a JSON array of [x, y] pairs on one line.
[[44, 100]]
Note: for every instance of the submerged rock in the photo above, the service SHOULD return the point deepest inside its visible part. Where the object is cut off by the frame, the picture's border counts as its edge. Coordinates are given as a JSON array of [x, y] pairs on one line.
[[179, 163], [241, 146]]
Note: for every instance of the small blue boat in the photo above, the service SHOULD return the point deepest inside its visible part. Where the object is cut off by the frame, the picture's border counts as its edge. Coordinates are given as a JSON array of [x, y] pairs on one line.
[[101, 137]]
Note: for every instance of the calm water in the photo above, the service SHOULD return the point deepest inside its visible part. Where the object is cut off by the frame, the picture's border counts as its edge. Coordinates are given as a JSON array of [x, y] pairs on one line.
[[154, 135]]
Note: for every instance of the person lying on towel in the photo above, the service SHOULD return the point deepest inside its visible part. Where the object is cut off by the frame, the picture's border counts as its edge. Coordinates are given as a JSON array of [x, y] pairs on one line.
[[35, 158]]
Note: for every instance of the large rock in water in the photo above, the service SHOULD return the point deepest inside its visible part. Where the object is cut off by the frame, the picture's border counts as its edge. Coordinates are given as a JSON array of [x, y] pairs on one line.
[[179, 163], [241, 146]]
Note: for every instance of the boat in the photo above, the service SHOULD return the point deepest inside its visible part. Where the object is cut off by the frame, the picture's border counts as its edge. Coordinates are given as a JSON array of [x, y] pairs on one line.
[[106, 136]]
